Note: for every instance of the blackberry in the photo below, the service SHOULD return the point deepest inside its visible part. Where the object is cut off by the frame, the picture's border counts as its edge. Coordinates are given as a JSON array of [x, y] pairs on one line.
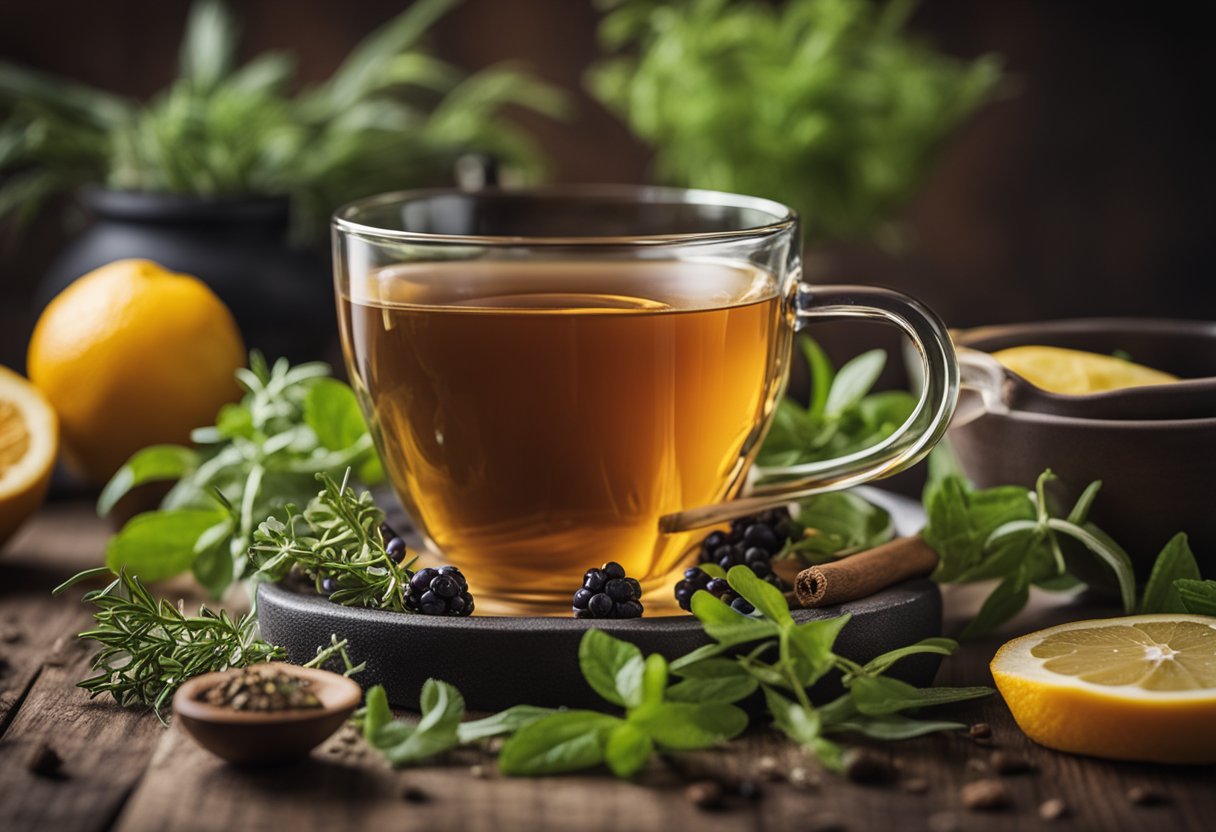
[[441, 591], [752, 542], [607, 593], [697, 579]]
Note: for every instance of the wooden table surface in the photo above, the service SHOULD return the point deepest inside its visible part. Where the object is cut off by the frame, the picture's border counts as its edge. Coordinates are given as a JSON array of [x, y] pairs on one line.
[[124, 770]]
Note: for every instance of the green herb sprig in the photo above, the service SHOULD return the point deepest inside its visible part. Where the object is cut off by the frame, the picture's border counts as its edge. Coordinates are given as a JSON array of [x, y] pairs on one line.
[[338, 537], [769, 651], [842, 415], [391, 116], [263, 453], [149, 647], [788, 658], [1012, 535], [1175, 585]]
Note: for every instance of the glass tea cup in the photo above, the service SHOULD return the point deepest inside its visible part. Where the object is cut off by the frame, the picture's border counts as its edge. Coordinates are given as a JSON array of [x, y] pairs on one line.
[[559, 377]]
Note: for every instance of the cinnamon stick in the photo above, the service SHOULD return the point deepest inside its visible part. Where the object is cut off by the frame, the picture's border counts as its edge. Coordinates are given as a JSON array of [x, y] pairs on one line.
[[865, 573]]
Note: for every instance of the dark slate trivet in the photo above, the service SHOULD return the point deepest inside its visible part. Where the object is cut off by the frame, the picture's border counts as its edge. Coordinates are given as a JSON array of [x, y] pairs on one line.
[[497, 662]]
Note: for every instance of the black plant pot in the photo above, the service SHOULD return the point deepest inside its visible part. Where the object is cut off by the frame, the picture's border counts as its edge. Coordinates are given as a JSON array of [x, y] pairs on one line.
[[281, 296]]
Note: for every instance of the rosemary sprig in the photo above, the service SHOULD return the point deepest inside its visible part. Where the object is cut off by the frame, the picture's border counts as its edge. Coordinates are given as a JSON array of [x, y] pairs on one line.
[[338, 538], [149, 647]]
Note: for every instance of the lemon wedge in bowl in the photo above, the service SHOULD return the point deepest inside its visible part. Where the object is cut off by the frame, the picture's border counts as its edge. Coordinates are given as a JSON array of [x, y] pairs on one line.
[[1077, 373], [1141, 687]]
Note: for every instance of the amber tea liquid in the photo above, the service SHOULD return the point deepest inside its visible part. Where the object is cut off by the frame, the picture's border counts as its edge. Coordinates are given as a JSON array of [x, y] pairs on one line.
[[538, 418]]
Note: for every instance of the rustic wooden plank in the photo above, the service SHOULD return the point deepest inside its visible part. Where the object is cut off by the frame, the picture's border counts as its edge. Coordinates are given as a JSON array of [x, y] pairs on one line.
[[33, 627], [343, 785], [104, 748]]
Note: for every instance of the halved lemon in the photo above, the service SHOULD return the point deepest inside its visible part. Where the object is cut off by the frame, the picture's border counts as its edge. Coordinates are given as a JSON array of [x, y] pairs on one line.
[[1077, 373], [29, 440], [1141, 687]]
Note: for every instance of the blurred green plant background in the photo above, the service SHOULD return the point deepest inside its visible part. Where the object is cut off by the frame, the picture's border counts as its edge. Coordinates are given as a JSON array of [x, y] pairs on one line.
[[830, 106], [391, 116]]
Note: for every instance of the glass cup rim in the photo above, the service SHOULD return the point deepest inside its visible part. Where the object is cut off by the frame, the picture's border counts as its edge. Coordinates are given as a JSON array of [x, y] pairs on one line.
[[784, 218]]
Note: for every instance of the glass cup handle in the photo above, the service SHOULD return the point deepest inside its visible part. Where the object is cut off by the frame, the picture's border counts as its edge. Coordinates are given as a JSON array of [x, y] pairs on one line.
[[902, 449]]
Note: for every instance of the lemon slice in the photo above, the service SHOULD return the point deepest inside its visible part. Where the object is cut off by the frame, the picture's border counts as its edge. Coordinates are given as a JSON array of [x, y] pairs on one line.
[[29, 440], [1077, 373], [1136, 688]]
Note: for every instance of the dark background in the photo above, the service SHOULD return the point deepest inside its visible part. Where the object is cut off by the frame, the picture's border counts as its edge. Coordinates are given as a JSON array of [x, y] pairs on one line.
[[1085, 191]]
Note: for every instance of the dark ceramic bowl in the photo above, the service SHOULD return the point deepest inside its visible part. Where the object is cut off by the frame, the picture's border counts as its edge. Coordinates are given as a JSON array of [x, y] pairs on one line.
[[1155, 472]]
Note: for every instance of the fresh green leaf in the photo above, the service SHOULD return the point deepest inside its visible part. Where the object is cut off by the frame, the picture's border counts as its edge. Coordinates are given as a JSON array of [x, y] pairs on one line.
[[811, 643], [882, 695], [1199, 597], [1176, 562], [796, 722], [159, 544], [376, 712], [157, 462], [685, 726], [819, 367], [436, 732], [840, 523], [713, 680], [213, 564], [501, 723], [654, 680], [1109, 552], [892, 727], [726, 626], [564, 741], [613, 668], [1080, 511], [939, 646], [765, 597], [627, 750], [1004, 603], [854, 380], [332, 411]]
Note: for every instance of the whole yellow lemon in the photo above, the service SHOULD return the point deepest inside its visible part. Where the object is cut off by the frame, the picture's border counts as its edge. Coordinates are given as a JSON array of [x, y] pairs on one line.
[[132, 355]]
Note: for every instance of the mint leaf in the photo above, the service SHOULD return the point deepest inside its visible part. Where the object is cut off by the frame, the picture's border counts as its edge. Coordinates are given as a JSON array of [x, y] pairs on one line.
[[713, 680], [333, 413], [1004, 603], [442, 710], [564, 741], [881, 695], [157, 462], [376, 713], [854, 380], [842, 523], [1080, 511], [159, 544], [654, 680], [612, 667], [819, 366], [726, 626], [685, 726], [880, 664], [1199, 597], [1176, 562], [797, 723], [894, 727], [627, 750], [1106, 550], [811, 645], [761, 594], [501, 723], [213, 567], [962, 520]]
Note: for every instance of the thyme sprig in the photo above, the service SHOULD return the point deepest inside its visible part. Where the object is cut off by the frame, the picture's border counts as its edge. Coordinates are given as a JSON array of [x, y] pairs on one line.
[[339, 537], [149, 646]]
